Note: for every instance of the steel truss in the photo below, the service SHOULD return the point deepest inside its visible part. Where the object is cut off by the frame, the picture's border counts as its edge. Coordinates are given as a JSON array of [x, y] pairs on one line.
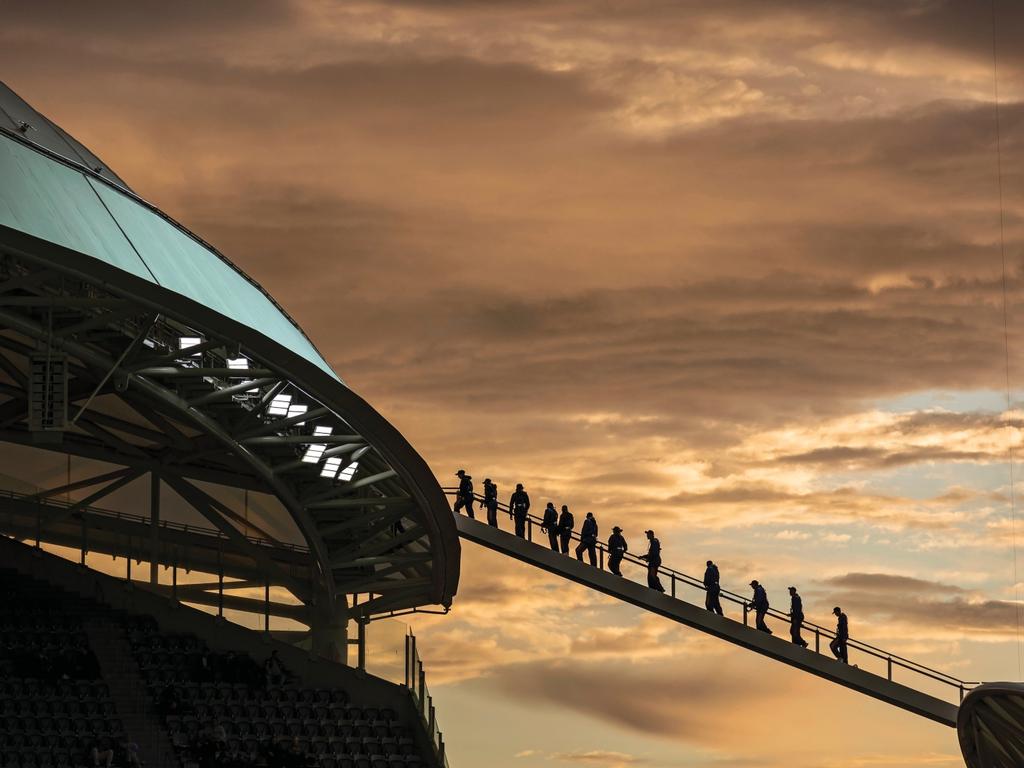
[[214, 412]]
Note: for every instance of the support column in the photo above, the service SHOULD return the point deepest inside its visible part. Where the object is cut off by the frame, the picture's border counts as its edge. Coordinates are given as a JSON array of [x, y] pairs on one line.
[[361, 646], [154, 527], [328, 630]]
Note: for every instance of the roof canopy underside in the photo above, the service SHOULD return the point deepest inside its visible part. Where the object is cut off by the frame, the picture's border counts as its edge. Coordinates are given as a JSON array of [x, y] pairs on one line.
[[95, 277]]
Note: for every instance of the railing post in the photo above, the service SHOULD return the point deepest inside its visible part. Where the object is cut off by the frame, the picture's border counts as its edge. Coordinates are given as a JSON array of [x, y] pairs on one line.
[[601, 557], [361, 648], [961, 693], [745, 611], [220, 578], [673, 585], [85, 537], [889, 668], [529, 529], [154, 527], [266, 606], [817, 640], [422, 686], [407, 661]]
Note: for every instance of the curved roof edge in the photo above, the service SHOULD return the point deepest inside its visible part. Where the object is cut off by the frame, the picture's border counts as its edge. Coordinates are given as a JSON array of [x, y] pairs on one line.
[[384, 437], [20, 117], [51, 141], [990, 726]]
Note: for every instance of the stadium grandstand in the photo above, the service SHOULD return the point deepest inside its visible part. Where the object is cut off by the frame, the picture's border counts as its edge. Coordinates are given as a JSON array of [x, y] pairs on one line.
[[200, 518]]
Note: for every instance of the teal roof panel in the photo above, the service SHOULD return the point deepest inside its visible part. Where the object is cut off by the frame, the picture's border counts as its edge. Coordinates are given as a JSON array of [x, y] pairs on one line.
[[52, 200], [56, 203]]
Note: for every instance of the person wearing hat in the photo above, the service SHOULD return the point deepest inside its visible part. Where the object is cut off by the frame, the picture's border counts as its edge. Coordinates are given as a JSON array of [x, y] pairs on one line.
[[588, 540], [566, 522], [491, 502], [653, 558], [838, 644], [760, 605], [519, 508], [617, 547], [464, 496], [549, 525], [713, 589], [796, 617]]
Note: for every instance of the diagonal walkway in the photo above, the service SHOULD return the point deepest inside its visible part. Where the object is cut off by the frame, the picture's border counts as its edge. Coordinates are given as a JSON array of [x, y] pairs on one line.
[[667, 605]]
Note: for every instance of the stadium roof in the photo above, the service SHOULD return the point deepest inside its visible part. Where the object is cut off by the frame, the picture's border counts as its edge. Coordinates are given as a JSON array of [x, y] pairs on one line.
[[95, 275]]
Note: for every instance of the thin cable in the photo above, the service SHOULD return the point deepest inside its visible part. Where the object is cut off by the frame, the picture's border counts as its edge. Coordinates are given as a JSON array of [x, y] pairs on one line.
[[1006, 337]]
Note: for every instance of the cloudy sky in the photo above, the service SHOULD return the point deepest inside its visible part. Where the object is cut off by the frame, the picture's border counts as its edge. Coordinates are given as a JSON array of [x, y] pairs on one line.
[[729, 269]]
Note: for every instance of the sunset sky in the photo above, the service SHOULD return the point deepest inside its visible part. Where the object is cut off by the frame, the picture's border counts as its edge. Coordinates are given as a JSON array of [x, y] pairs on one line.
[[728, 269]]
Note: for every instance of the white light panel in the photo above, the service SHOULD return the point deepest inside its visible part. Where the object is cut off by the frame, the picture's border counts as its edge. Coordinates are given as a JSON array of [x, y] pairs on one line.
[[184, 342], [315, 451], [331, 467], [297, 410], [279, 405]]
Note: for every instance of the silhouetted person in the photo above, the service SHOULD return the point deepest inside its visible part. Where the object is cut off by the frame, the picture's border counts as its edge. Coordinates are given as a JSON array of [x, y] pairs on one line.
[[760, 605], [838, 644], [711, 585], [617, 547], [464, 496], [588, 540], [796, 617], [550, 525], [491, 502], [653, 558], [566, 522], [519, 506]]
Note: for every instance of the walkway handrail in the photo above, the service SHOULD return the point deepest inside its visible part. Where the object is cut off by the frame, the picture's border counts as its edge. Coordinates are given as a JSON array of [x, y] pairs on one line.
[[674, 576], [416, 683]]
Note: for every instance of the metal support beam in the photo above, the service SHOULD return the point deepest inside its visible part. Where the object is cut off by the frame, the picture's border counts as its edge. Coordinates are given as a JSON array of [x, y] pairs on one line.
[[91, 498], [234, 603], [351, 522], [300, 439], [227, 392], [128, 350], [102, 320], [203, 503], [178, 354], [361, 624], [279, 424], [154, 527], [78, 484]]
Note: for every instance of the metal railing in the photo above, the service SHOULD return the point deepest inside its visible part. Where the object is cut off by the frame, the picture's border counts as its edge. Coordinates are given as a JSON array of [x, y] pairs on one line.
[[678, 579], [416, 682]]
